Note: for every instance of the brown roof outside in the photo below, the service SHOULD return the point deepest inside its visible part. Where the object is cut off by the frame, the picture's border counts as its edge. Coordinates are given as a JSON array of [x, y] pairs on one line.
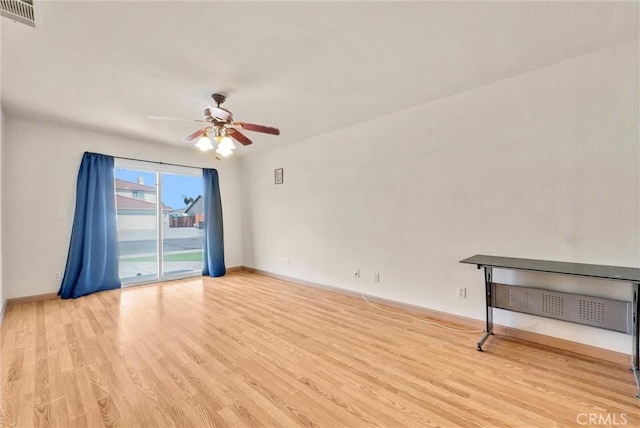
[[124, 203], [128, 185]]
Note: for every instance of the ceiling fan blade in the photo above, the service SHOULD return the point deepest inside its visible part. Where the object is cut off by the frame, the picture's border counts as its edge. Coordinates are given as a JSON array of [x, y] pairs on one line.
[[258, 128], [197, 134], [239, 137], [175, 119]]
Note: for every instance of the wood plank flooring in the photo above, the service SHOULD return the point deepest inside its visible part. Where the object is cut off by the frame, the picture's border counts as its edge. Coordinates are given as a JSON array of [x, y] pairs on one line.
[[247, 350]]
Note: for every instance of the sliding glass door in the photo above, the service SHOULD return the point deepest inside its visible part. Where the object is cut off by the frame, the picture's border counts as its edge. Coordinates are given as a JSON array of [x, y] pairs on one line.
[[137, 221], [159, 218], [182, 233]]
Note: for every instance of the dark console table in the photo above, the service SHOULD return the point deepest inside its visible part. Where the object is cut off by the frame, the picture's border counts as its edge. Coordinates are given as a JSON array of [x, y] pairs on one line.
[[610, 314]]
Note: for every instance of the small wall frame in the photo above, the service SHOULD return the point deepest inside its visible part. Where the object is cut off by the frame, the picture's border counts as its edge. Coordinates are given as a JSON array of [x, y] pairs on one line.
[[278, 176]]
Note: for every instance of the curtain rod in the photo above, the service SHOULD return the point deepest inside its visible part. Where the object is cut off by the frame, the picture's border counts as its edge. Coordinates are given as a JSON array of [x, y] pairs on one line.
[[161, 163]]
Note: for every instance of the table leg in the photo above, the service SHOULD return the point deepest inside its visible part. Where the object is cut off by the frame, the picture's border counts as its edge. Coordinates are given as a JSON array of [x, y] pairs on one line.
[[489, 306]]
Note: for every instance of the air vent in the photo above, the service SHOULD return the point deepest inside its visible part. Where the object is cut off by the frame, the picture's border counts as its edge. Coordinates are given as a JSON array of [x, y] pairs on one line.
[[518, 299], [594, 311], [553, 304], [18, 10]]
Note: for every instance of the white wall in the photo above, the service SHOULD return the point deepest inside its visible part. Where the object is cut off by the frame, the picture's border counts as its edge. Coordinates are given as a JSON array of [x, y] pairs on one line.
[[41, 163], [2, 294], [543, 165]]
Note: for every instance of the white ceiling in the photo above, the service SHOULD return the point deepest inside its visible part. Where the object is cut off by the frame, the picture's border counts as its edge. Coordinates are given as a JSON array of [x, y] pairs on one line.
[[305, 67]]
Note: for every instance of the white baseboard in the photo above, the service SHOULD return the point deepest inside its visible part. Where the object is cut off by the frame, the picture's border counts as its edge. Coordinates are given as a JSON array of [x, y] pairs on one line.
[[537, 338], [500, 330]]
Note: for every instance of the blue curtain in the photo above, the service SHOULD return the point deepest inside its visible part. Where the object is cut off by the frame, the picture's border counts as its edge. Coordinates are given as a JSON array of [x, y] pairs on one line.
[[92, 262], [213, 256]]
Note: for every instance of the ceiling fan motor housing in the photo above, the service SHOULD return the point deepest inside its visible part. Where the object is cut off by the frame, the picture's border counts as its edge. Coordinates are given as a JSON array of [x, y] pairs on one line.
[[217, 113]]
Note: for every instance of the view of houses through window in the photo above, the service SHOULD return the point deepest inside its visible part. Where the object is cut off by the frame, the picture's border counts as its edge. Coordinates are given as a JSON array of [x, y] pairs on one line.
[[159, 238]]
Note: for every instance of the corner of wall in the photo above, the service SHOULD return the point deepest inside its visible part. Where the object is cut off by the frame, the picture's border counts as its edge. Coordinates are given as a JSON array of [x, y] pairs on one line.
[[2, 294]]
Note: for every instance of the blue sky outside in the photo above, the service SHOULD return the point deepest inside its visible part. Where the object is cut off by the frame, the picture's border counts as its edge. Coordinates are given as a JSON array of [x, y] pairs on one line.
[[173, 186]]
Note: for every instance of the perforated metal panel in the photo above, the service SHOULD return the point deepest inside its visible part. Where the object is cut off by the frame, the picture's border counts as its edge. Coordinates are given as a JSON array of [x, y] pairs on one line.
[[594, 311]]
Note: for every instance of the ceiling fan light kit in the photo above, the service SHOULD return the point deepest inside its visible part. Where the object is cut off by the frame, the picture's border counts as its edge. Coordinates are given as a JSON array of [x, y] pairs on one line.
[[222, 128], [226, 144], [204, 143], [224, 151]]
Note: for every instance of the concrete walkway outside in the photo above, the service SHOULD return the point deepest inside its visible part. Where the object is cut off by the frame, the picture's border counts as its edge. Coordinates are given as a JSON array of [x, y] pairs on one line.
[[167, 233]]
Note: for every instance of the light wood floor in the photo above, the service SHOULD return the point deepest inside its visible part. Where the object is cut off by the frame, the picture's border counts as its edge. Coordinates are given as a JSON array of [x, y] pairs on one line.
[[247, 350]]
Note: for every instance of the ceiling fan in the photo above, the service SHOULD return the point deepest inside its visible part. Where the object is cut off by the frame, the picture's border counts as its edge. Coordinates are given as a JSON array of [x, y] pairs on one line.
[[222, 127]]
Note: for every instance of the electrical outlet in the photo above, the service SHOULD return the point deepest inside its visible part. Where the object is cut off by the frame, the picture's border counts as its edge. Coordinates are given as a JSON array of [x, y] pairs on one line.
[[356, 274], [286, 261], [376, 277], [57, 276], [461, 292]]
